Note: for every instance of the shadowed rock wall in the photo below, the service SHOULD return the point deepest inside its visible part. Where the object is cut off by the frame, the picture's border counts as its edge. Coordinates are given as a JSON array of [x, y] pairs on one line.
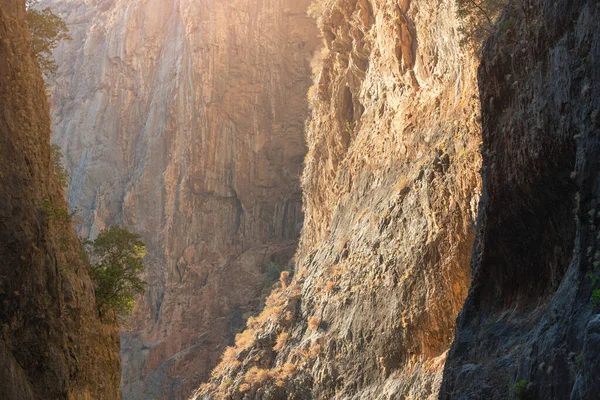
[[52, 343], [529, 328]]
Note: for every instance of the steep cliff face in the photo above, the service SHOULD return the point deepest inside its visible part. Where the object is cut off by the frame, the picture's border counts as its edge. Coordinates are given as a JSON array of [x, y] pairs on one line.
[[183, 120], [391, 187], [52, 344], [530, 327]]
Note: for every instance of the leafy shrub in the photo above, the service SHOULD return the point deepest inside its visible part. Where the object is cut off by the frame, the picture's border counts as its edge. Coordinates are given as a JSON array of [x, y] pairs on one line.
[[55, 213], [479, 18], [47, 30], [595, 299], [116, 258], [59, 169], [521, 390], [273, 272]]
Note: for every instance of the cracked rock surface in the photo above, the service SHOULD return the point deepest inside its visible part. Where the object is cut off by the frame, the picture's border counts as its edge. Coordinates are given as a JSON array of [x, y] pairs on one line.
[[529, 328], [183, 120]]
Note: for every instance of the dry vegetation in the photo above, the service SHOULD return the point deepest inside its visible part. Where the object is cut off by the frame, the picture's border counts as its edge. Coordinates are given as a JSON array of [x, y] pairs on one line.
[[316, 9], [314, 322], [282, 340], [285, 279], [280, 309], [257, 376], [479, 19], [329, 286], [243, 367]]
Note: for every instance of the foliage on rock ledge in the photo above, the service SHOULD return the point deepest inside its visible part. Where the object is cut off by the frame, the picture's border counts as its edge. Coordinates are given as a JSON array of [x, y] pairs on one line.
[[116, 257], [479, 18], [247, 367], [47, 30]]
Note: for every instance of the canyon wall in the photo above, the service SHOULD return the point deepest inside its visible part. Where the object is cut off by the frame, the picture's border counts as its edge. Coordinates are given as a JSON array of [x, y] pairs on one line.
[[183, 121], [530, 327], [52, 343], [391, 188]]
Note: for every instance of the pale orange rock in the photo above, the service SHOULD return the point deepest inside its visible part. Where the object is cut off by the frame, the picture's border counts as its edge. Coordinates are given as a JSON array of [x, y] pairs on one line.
[[184, 120], [391, 188]]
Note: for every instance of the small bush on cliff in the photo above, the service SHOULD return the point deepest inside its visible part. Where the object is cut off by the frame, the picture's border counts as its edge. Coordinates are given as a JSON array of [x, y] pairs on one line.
[[595, 299], [479, 18], [116, 258], [282, 340], [55, 214], [47, 30], [521, 390], [273, 272], [59, 169], [285, 279]]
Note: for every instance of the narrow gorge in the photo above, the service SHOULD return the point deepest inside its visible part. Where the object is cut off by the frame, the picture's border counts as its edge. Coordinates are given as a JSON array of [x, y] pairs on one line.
[[53, 345], [340, 199], [184, 121]]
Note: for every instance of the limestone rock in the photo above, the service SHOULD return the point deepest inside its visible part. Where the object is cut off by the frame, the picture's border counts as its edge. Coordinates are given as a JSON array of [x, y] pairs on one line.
[[529, 328], [183, 120], [52, 343], [391, 188]]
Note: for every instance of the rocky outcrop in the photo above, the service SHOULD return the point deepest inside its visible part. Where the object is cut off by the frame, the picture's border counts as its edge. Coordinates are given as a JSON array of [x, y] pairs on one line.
[[52, 343], [183, 120], [391, 187], [529, 328]]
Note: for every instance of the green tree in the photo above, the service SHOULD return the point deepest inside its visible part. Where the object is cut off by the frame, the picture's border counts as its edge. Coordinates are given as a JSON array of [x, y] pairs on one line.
[[116, 258], [59, 169], [47, 30]]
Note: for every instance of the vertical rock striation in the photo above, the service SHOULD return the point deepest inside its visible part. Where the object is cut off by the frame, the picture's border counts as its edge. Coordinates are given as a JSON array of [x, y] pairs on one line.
[[391, 187], [183, 120], [530, 327], [52, 343]]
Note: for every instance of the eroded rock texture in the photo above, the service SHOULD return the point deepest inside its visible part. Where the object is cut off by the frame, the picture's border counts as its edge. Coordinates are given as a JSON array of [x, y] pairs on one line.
[[390, 194], [52, 343], [183, 120], [530, 327]]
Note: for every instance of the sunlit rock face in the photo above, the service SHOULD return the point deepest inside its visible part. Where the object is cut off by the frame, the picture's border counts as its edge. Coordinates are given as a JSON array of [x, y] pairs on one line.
[[391, 188], [183, 120]]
